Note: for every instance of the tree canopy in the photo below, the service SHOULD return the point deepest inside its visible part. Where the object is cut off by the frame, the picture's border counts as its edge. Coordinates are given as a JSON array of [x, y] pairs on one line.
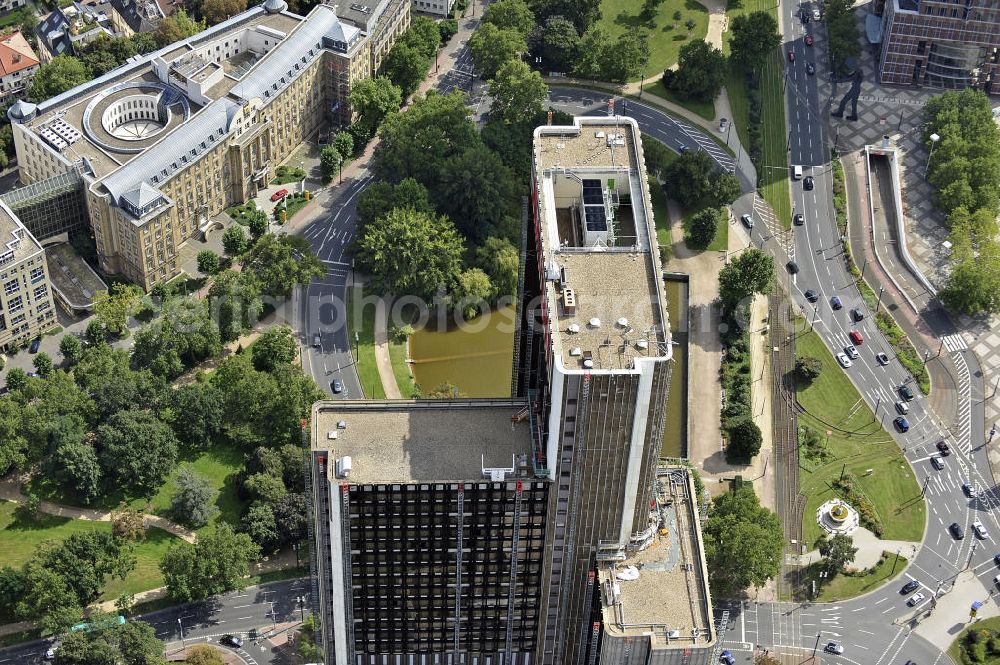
[[217, 11], [219, 561], [193, 502], [275, 346], [754, 37], [491, 47], [57, 76], [510, 15], [838, 551], [517, 92], [559, 44], [701, 72], [280, 263], [406, 67], [751, 272], [583, 13], [374, 99], [137, 451], [702, 227]]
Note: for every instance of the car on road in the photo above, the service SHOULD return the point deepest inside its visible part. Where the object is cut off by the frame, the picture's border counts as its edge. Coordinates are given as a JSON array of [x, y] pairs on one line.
[[747, 220], [835, 302], [791, 56], [280, 194], [793, 267], [234, 641], [980, 530], [808, 40], [808, 183], [852, 351], [856, 337], [910, 587], [727, 658], [943, 448], [906, 392], [810, 68], [996, 581], [844, 361], [902, 408], [901, 423], [834, 647], [35, 343], [882, 358], [682, 148], [937, 462], [317, 342], [857, 314], [969, 490], [996, 559], [337, 386], [815, 14], [804, 15], [811, 295], [798, 219], [957, 531], [915, 598]]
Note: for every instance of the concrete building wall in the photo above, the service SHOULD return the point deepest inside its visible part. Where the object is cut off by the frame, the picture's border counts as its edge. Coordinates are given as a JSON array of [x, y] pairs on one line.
[[26, 308]]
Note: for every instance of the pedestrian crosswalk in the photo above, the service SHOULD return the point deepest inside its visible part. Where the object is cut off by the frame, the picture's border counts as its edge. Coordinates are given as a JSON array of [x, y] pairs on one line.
[[954, 342]]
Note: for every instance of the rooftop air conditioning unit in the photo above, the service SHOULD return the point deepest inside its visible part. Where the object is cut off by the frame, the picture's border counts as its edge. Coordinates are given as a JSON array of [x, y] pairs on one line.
[[576, 351], [332, 434], [344, 465]]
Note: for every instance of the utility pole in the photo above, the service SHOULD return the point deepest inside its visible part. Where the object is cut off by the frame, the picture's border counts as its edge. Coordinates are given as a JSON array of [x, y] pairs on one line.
[[302, 608], [274, 623], [923, 490], [181, 626], [881, 290], [895, 561]]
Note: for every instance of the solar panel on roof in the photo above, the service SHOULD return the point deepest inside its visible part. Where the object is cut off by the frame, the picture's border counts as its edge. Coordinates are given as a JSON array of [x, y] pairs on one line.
[[596, 219]]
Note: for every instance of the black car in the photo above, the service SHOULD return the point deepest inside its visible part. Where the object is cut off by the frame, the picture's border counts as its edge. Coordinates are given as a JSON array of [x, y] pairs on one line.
[[336, 386], [793, 267], [902, 424], [810, 68], [906, 393], [798, 219], [942, 446], [857, 314], [35, 343], [811, 295], [807, 183], [836, 303], [910, 587], [234, 641], [957, 531]]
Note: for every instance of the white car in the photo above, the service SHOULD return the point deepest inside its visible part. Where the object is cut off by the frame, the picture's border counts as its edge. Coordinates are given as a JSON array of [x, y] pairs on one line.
[[852, 351], [980, 530], [844, 361], [915, 599]]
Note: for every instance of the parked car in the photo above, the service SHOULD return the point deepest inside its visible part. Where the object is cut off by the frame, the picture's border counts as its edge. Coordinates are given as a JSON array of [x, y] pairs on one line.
[[35, 343], [882, 358], [937, 462], [811, 295], [798, 219], [815, 15], [337, 386], [280, 194], [906, 392], [317, 341], [747, 220], [910, 587], [808, 40], [810, 68], [902, 408], [234, 641], [943, 448], [980, 530], [835, 302], [996, 559], [957, 531], [902, 424], [969, 490], [857, 314], [793, 267], [791, 56], [808, 183], [727, 658], [856, 337], [852, 352], [915, 598], [844, 361], [834, 647]]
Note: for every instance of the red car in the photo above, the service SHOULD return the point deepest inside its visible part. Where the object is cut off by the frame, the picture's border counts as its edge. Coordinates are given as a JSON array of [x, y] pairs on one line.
[[280, 194], [856, 338], [791, 57], [809, 40]]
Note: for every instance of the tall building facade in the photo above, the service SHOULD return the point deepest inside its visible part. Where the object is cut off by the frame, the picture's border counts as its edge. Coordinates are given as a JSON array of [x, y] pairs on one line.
[[938, 44], [26, 308], [178, 135]]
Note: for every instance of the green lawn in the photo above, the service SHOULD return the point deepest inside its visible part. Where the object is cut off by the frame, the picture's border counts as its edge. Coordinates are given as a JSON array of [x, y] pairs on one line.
[[856, 442], [364, 349], [842, 587], [666, 33], [20, 539], [721, 241], [238, 211], [401, 369], [705, 109], [660, 216], [955, 650]]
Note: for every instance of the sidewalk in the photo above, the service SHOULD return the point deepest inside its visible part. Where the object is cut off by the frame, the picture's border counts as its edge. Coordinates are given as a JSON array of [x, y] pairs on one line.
[[382, 359]]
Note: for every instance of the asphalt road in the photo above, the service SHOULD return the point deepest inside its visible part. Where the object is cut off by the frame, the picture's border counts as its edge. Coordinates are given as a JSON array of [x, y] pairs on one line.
[[258, 608]]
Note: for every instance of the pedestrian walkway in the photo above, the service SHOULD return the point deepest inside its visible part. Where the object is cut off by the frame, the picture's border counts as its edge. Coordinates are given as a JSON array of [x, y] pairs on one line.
[[870, 549], [382, 359], [10, 490]]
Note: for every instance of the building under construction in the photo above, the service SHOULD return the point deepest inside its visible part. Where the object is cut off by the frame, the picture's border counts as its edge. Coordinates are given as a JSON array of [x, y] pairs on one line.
[[533, 530]]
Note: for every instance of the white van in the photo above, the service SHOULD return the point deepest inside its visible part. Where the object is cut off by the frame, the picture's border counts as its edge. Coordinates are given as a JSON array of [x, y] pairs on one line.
[[797, 171]]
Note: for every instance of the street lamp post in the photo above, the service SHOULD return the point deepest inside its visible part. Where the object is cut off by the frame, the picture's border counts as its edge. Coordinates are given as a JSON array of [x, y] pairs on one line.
[[181, 626], [934, 140], [302, 608], [274, 623], [295, 547], [881, 290]]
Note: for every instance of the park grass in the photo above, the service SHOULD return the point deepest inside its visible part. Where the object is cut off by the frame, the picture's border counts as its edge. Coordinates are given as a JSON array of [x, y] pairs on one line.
[[856, 442], [401, 369], [666, 35], [364, 350], [720, 243], [844, 586], [660, 216], [237, 212], [705, 109], [956, 650], [20, 540]]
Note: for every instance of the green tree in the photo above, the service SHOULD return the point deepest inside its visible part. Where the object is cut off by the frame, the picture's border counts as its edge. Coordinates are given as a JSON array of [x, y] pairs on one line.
[[291, 517], [13, 444], [702, 226], [85, 561], [480, 193], [744, 440], [219, 561], [133, 643], [373, 100], [689, 177], [973, 286], [499, 259], [265, 487], [838, 551], [193, 501], [113, 308], [750, 273], [583, 13], [236, 297], [78, 468], [657, 156], [448, 28], [204, 654], [510, 15], [590, 60], [195, 413], [43, 364], [208, 262], [47, 598], [258, 223], [235, 240], [491, 47], [724, 188], [17, 378], [275, 346], [176, 27], [183, 336], [96, 334], [281, 263], [471, 292], [517, 92], [381, 197], [701, 72], [260, 524], [625, 59], [57, 76], [423, 35], [560, 44], [842, 34], [406, 67], [808, 368], [344, 143], [754, 37], [217, 11], [71, 349], [137, 451], [410, 253], [744, 542], [330, 160]]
